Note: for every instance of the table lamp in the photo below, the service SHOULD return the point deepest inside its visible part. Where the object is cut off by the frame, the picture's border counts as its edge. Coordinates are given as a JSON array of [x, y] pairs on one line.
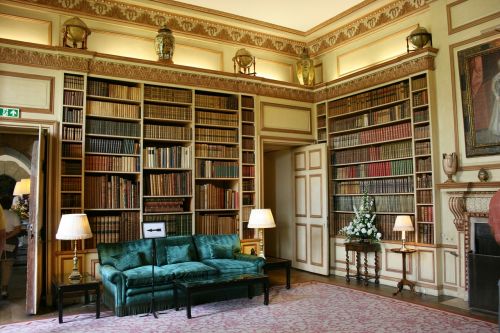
[[22, 187], [403, 223], [74, 227], [260, 219]]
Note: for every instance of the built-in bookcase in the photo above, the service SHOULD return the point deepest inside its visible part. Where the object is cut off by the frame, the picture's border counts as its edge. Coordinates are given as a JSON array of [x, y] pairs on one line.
[[168, 158], [380, 142], [321, 131], [248, 197]]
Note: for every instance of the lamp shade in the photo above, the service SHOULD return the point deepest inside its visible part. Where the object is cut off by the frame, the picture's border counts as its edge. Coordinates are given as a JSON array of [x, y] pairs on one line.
[[73, 227], [22, 187], [261, 218], [403, 223]]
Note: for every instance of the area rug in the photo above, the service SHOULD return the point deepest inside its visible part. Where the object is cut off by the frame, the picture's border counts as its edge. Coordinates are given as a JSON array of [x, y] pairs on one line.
[[307, 307]]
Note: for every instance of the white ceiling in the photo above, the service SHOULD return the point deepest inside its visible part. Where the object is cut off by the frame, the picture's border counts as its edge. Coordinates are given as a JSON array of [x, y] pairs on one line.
[[300, 15]]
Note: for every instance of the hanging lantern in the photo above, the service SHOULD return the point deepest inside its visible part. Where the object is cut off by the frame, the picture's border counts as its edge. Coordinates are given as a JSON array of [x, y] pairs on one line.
[[165, 44], [305, 68], [76, 32]]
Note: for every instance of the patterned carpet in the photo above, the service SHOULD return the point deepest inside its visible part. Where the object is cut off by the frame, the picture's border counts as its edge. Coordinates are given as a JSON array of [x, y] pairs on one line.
[[307, 307]]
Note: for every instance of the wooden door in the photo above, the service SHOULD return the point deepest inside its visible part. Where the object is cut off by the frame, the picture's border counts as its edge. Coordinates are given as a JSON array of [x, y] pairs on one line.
[[311, 248], [36, 219]]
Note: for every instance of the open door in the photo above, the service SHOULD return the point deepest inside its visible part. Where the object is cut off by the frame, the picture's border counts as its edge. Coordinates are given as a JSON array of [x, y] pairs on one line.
[[36, 220], [311, 209]]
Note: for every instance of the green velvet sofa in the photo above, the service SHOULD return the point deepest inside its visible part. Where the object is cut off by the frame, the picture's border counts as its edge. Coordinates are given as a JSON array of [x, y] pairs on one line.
[[126, 269]]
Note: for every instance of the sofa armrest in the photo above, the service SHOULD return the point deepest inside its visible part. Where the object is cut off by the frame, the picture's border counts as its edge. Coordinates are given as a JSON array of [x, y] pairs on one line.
[[114, 276], [259, 261]]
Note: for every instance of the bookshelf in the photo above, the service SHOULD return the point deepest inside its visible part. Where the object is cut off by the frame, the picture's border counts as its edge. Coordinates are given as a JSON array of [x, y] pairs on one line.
[[217, 167], [321, 131], [112, 160], [168, 158], [248, 193], [380, 142]]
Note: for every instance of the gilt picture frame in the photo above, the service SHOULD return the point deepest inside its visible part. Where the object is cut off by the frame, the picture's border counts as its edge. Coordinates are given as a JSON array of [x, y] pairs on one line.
[[479, 71]]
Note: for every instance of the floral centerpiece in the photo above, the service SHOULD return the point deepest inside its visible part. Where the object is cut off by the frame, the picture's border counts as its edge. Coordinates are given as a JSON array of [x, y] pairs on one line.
[[21, 208], [362, 227]]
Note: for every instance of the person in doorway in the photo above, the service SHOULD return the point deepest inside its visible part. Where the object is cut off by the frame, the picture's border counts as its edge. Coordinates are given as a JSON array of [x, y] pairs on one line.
[[12, 229], [2, 230]]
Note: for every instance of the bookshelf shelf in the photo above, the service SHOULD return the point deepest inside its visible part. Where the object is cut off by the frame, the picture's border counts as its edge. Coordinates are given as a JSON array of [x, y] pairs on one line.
[[73, 106], [215, 126], [375, 177], [167, 213], [217, 158], [172, 102], [217, 142], [389, 123], [167, 120], [113, 99], [215, 109], [112, 117], [216, 178], [367, 109], [372, 143], [73, 89], [113, 136], [113, 172], [71, 124]]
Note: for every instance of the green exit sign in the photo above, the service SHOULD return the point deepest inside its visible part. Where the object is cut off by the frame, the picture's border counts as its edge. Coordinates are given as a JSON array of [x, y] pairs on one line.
[[9, 112]]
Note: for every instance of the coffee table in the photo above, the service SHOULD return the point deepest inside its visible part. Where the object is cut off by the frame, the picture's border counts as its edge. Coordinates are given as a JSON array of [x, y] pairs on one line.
[[191, 286]]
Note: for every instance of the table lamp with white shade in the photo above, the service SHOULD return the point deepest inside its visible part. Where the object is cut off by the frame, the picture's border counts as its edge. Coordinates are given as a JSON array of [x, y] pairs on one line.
[[74, 227], [403, 223], [22, 187], [260, 219]]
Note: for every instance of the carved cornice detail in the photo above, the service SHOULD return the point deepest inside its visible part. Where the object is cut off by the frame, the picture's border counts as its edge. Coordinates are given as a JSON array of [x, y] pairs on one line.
[[388, 14], [386, 74]]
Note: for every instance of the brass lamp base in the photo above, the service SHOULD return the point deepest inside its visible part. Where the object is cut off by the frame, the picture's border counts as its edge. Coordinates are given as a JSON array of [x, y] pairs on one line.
[[75, 276], [261, 244]]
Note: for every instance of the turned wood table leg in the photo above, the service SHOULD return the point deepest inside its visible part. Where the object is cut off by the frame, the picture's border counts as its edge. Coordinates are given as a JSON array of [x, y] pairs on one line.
[[347, 266], [366, 268]]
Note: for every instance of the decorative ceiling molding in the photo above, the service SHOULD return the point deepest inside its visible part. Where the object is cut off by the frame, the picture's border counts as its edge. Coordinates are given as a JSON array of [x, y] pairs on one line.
[[388, 14], [133, 14]]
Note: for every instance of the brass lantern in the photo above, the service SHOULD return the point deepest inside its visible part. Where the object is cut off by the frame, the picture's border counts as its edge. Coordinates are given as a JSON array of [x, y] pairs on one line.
[[165, 44], [76, 32], [419, 37], [243, 61], [305, 68]]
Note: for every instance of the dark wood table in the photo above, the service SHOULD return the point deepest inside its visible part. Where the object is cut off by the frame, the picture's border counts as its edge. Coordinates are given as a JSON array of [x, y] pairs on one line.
[[404, 281], [193, 285], [279, 263], [362, 247], [61, 285]]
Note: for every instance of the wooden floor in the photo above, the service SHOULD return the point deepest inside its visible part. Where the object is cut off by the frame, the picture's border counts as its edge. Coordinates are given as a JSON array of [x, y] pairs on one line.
[[12, 309]]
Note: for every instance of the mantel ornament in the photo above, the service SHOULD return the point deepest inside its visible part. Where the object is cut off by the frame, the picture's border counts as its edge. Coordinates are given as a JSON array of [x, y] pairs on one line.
[[75, 31], [243, 61], [165, 44], [483, 175], [450, 166]]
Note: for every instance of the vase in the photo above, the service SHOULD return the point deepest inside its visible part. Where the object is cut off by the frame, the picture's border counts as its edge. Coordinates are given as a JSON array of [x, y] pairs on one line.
[[450, 166]]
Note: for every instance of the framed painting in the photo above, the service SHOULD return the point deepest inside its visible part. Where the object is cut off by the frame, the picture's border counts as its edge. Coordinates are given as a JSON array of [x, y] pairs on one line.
[[479, 70]]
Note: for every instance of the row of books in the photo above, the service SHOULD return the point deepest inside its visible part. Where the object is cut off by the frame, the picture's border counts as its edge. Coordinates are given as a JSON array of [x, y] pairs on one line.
[[247, 101], [209, 224], [111, 192], [116, 110], [114, 228], [112, 146], [385, 151], [422, 132], [72, 115], [378, 169], [321, 109], [425, 214], [248, 129], [248, 199], [322, 134], [74, 98], [387, 185], [420, 98], [217, 102], [248, 170], [423, 148], [71, 167], [165, 184], [426, 233], [419, 83], [245, 213], [424, 181], [167, 132], [248, 233], [383, 203], [74, 81], [165, 205], [176, 225], [169, 112], [167, 94], [112, 163], [71, 149], [168, 157], [107, 89], [211, 196], [71, 200], [394, 132], [247, 115], [424, 196], [248, 157], [115, 128], [71, 184], [380, 96], [216, 169], [248, 184], [209, 150], [217, 135], [216, 118], [248, 143], [424, 164], [421, 115], [397, 112], [72, 133], [321, 122]]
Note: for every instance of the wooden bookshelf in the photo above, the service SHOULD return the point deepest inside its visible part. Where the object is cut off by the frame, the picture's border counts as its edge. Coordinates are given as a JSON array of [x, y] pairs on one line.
[[321, 123], [380, 142]]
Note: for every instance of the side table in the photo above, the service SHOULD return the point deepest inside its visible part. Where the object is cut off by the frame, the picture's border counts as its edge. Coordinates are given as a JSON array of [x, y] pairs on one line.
[[61, 285], [277, 263], [404, 281], [362, 247]]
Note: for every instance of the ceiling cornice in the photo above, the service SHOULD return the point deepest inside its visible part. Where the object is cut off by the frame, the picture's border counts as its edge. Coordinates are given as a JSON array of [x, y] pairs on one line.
[[206, 29]]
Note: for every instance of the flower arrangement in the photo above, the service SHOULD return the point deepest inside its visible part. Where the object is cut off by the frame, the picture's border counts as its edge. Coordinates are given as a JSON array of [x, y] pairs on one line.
[[21, 208], [363, 225]]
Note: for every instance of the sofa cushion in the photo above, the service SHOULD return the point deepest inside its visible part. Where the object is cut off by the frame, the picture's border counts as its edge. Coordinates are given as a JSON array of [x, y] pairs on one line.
[[231, 266], [178, 253], [128, 260], [189, 269], [141, 276], [107, 251], [203, 243], [221, 251], [163, 243]]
